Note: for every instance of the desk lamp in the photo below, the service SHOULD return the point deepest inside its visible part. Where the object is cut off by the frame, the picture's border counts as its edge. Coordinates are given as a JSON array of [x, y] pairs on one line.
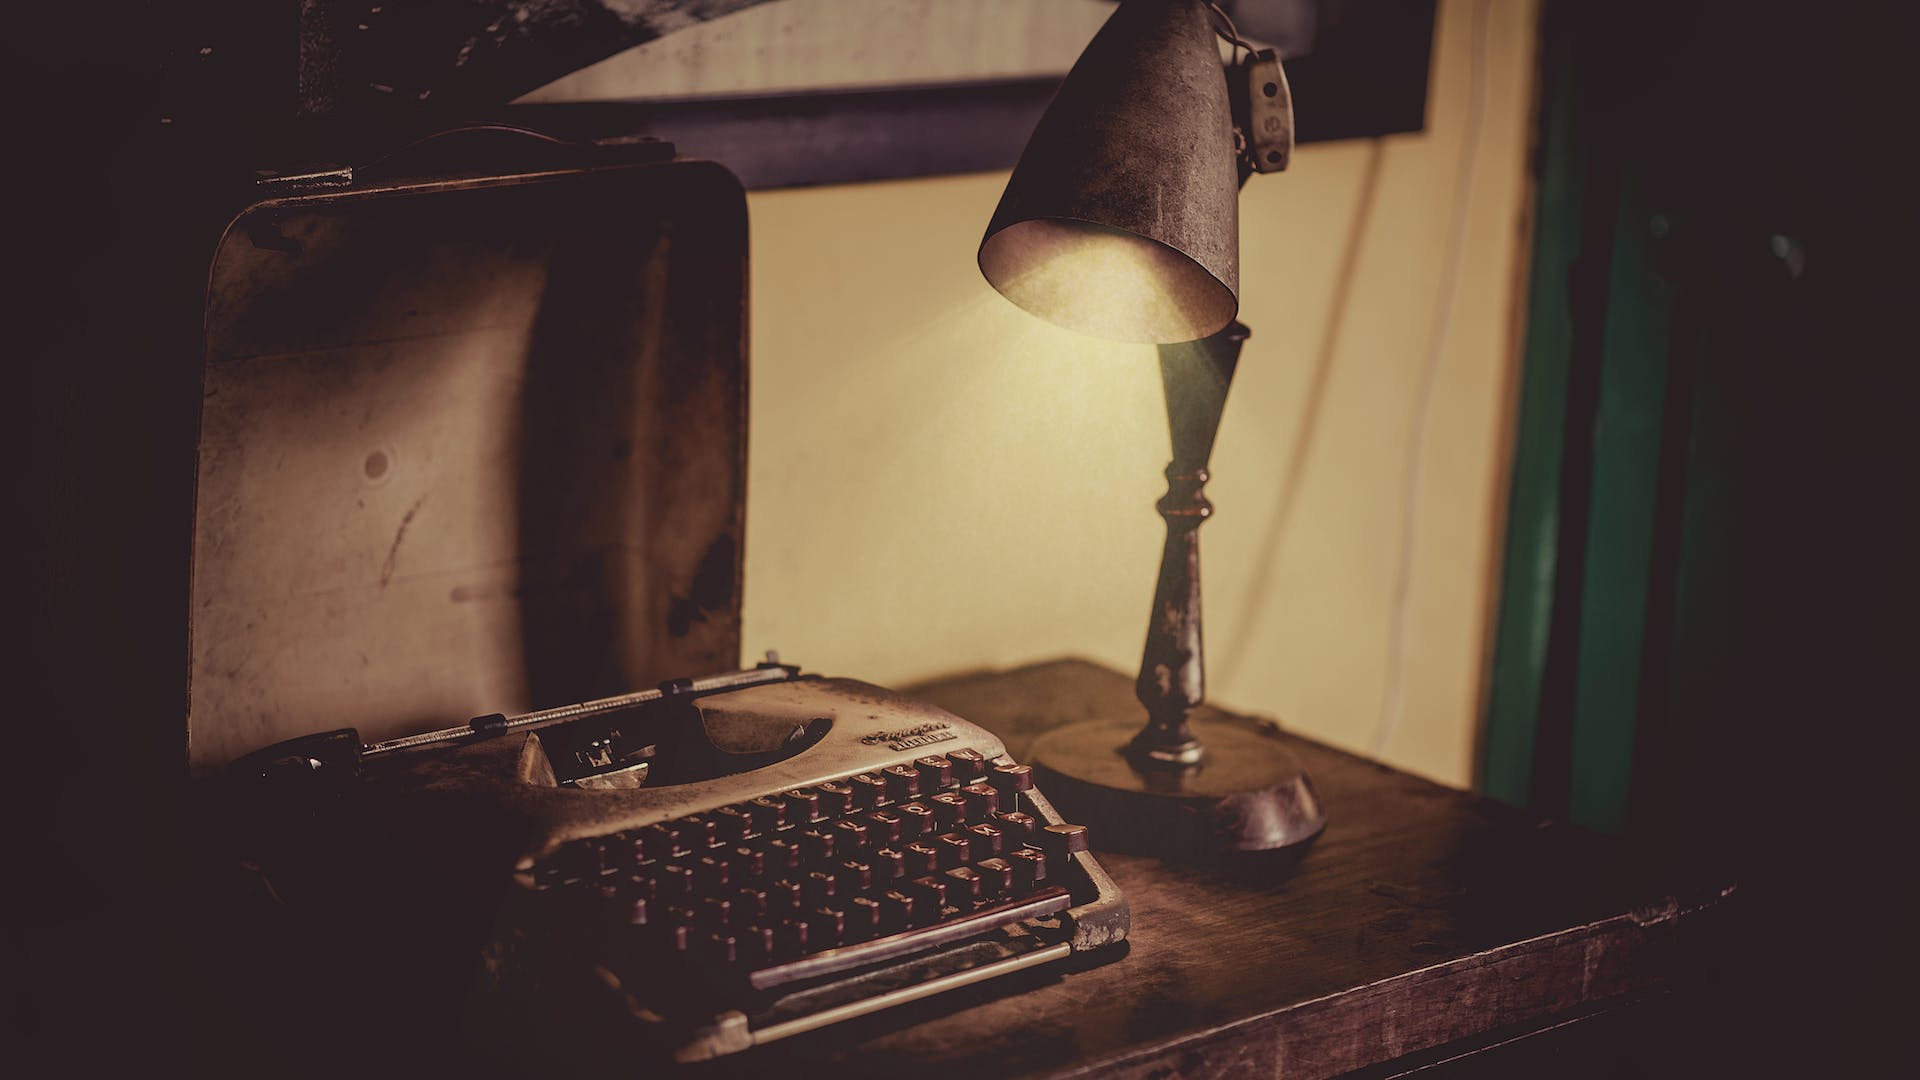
[[1121, 221]]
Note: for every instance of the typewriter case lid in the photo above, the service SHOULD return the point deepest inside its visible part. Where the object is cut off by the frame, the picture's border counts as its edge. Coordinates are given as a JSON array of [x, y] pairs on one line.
[[468, 444]]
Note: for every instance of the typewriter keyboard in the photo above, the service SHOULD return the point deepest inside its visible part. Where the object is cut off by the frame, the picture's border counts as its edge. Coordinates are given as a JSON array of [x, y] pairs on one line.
[[794, 885]]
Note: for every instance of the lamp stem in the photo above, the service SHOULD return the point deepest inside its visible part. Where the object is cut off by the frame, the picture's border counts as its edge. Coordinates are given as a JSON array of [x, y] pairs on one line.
[[1195, 376]]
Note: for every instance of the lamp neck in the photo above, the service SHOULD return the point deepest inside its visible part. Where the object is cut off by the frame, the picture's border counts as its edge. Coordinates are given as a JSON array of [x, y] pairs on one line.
[[1195, 376]]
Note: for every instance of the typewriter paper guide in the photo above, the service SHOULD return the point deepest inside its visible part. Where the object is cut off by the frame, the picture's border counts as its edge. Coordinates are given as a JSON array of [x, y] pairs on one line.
[[868, 727], [467, 451]]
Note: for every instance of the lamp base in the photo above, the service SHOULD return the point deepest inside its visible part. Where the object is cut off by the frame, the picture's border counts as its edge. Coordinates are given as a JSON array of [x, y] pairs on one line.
[[1248, 793]]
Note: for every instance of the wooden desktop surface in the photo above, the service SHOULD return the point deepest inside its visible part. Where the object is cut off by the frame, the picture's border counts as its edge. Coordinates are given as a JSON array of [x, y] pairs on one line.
[[1424, 922]]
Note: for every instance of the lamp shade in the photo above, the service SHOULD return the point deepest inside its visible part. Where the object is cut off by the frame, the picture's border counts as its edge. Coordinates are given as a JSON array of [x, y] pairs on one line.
[[1122, 219]]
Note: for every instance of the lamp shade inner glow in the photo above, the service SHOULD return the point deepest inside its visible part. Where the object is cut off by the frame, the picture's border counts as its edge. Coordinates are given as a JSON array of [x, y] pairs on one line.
[[1105, 282]]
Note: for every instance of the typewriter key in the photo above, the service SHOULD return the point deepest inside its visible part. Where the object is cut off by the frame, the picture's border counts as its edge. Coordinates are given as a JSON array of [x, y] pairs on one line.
[[673, 881], [721, 948], [783, 855], [996, 876], [662, 840], [949, 810], [896, 911], [1011, 780], [883, 828], [863, 918], [889, 864], [869, 790], [710, 874], [964, 887], [803, 806], [1029, 869], [751, 903], [676, 930], [1061, 841], [784, 896], [790, 939], [731, 823], [715, 912], [769, 814], [697, 832], [835, 798], [982, 801], [850, 837], [637, 886], [932, 892], [955, 848], [920, 859], [605, 856], [825, 927], [607, 893], [674, 938], [817, 845], [987, 841], [853, 876], [968, 765], [903, 782], [756, 943], [818, 887], [1019, 827], [916, 820], [746, 863], [637, 848], [935, 772]]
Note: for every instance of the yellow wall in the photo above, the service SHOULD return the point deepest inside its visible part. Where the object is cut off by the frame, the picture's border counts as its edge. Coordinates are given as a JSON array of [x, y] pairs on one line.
[[940, 482]]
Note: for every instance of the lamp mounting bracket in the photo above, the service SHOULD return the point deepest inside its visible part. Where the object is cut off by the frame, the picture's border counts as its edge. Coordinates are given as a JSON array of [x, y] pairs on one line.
[[1262, 110]]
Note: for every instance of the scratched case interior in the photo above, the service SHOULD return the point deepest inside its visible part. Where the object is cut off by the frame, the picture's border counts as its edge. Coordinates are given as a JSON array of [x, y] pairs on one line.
[[472, 444], [469, 443]]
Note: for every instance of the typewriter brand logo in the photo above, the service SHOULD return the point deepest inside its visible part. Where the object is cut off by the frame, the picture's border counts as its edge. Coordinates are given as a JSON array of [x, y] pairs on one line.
[[919, 735]]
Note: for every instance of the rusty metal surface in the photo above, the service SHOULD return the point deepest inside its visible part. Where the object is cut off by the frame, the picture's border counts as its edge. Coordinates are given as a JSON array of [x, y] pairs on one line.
[[467, 446]]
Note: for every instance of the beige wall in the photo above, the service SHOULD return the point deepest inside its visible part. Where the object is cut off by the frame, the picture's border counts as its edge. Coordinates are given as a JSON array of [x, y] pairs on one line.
[[940, 482]]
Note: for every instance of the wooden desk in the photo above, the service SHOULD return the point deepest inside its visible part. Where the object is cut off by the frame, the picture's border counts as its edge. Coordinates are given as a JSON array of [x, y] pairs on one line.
[[1423, 924]]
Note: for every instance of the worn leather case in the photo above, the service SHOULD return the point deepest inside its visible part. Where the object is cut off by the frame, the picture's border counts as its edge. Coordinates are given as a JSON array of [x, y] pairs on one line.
[[472, 439]]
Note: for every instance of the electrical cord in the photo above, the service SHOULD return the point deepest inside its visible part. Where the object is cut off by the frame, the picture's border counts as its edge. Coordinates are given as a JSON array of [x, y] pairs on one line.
[[1229, 32], [1393, 701], [1305, 433]]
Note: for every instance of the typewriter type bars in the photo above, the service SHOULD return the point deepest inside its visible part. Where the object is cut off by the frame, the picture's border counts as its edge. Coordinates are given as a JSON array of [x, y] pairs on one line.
[[815, 904]]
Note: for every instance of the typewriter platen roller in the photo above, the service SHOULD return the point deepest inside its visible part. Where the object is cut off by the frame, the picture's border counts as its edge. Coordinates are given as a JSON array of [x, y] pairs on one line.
[[718, 863]]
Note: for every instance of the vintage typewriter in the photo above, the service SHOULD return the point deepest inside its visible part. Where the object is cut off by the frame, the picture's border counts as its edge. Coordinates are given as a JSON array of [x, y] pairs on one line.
[[734, 859], [472, 438]]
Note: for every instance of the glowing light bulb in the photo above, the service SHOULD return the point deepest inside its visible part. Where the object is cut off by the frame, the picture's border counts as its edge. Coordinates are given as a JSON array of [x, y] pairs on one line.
[[1105, 282]]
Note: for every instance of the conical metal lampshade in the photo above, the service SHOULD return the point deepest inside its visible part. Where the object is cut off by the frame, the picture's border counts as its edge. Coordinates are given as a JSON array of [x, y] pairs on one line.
[[1122, 217]]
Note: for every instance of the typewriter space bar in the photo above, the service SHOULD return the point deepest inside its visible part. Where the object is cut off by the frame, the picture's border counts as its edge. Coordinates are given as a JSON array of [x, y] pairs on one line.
[[1045, 902]]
